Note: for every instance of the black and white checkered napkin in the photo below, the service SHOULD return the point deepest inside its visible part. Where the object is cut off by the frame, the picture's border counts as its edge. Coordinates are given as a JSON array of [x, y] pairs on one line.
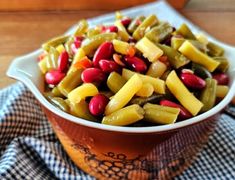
[[30, 150]]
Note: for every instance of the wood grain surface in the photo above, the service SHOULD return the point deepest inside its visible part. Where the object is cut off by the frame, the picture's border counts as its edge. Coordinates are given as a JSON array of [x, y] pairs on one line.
[[23, 31]]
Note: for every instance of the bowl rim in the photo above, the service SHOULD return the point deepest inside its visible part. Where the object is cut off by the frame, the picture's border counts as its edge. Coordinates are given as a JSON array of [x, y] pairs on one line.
[[151, 129]]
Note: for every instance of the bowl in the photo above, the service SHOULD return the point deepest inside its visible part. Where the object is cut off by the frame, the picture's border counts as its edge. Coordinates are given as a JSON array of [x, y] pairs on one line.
[[106, 151], [110, 152]]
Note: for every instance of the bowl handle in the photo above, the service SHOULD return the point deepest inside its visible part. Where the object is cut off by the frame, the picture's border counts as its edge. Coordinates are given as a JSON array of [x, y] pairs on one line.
[[26, 70]]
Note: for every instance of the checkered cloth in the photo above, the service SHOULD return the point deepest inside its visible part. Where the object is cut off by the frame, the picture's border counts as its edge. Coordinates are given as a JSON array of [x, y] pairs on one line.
[[30, 150]]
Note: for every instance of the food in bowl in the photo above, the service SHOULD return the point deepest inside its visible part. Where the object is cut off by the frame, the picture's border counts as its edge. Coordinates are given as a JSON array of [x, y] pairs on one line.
[[135, 72]]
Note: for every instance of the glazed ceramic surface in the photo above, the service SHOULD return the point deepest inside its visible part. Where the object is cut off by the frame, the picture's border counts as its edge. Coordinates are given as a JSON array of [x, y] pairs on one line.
[[104, 151]]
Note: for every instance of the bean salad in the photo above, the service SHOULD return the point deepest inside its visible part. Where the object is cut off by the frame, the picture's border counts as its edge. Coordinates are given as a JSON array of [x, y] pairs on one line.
[[136, 72]]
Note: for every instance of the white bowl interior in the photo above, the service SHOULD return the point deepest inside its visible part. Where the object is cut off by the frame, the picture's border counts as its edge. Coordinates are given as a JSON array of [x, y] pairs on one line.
[[26, 69]]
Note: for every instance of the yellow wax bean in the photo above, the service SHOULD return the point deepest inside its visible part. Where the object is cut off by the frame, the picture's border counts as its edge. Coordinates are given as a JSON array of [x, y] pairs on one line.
[[77, 57], [43, 65], [186, 98], [156, 69], [122, 33], [81, 110], [81, 92], [221, 91], [146, 90], [158, 84], [60, 48], [195, 55], [121, 46], [149, 49], [124, 116], [124, 95], [115, 82]]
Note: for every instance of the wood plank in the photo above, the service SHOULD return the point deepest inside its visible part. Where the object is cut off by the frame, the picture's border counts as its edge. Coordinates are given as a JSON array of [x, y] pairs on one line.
[[25, 5], [211, 5], [45, 5]]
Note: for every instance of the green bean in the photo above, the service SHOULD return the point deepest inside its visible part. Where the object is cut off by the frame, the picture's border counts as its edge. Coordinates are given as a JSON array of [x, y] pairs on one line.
[[93, 32], [70, 81], [135, 23], [49, 95], [147, 23], [160, 114], [81, 110], [52, 60], [115, 82], [68, 44], [60, 103], [125, 116], [201, 71], [208, 95], [185, 31], [215, 50], [176, 42], [160, 32], [81, 28], [54, 42], [224, 64], [175, 58], [56, 92], [155, 98], [199, 45], [90, 45]]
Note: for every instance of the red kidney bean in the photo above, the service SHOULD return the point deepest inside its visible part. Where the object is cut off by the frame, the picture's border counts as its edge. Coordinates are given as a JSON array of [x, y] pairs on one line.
[[184, 113], [221, 78], [75, 45], [136, 63], [109, 66], [97, 104], [192, 81], [104, 51], [92, 75], [78, 38], [63, 61], [53, 77], [126, 21], [111, 29]]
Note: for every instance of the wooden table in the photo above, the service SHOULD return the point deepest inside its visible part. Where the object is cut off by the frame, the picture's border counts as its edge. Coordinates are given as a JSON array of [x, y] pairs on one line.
[[23, 31]]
